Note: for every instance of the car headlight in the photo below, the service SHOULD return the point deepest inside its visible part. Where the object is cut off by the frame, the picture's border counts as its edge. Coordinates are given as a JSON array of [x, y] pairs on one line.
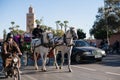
[[99, 52], [15, 59], [103, 53]]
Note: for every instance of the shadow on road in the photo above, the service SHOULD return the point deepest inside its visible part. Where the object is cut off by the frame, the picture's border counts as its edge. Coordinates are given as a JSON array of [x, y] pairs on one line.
[[49, 71], [111, 60]]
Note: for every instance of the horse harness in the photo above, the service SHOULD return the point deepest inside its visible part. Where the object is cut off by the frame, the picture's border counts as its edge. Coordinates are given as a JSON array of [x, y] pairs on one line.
[[49, 45]]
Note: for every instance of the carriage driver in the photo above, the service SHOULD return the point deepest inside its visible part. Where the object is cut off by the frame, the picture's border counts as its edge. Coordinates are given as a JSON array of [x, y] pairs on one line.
[[37, 32], [10, 46]]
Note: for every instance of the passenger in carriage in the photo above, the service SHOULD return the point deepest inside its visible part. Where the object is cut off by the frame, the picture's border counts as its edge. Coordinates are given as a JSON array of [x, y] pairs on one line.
[[26, 41], [17, 39], [37, 32], [27, 37]]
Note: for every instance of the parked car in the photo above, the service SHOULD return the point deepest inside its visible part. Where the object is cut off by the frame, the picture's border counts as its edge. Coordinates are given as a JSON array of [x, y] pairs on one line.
[[83, 51]]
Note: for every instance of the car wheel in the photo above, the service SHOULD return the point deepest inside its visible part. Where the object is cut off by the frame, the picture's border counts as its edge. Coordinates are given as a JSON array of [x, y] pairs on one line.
[[78, 58]]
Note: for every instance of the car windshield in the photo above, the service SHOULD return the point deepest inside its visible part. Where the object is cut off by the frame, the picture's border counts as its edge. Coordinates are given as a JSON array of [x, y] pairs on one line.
[[81, 43]]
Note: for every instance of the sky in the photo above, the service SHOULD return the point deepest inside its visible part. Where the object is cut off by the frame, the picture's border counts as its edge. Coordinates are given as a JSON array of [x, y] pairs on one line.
[[79, 13]]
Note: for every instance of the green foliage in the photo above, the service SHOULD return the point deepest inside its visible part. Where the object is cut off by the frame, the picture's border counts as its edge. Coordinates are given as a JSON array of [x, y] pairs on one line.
[[61, 25], [59, 33], [81, 34], [15, 29], [37, 22], [100, 34], [107, 20]]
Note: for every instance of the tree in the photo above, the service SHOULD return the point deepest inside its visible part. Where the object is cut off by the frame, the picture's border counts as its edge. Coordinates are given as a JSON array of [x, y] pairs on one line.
[[37, 22], [4, 35], [107, 20], [61, 25], [15, 29], [57, 24], [49, 28], [44, 27], [12, 23], [81, 34], [65, 26], [59, 33]]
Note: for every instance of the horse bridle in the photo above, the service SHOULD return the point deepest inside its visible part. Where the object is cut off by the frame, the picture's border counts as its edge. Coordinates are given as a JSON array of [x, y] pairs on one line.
[[65, 38]]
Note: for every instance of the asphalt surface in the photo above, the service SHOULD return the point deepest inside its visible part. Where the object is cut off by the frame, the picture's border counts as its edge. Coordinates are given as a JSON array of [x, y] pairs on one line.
[[108, 69]]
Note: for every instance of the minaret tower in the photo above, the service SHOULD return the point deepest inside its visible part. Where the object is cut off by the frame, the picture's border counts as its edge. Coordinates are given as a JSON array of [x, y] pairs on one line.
[[30, 21]]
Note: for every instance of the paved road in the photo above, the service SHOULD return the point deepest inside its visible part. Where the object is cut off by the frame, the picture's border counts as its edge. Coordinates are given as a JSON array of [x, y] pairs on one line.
[[108, 69]]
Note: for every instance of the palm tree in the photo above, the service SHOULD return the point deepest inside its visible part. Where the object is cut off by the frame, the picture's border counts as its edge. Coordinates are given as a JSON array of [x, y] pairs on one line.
[[4, 35], [17, 26], [41, 21], [57, 24], [37, 22], [12, 23], [12, 27], [65, 26], [61, 25], [49, 28]]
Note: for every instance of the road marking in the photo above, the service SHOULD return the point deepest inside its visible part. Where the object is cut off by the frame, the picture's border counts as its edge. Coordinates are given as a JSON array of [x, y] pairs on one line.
[[85, 68], [112, 73], [32, 78], [96, 70]]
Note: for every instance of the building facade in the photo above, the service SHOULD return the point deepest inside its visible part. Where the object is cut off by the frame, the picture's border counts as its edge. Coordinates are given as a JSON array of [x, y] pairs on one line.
[[115, 37]]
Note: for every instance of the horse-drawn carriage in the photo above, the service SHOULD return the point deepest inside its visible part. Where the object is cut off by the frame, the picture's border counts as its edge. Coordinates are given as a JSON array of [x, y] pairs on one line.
[[43, 49], [43, 46]]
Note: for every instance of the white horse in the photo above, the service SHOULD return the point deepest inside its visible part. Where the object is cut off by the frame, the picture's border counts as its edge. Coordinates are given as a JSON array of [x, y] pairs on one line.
[[65, 46], [41, 46]]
